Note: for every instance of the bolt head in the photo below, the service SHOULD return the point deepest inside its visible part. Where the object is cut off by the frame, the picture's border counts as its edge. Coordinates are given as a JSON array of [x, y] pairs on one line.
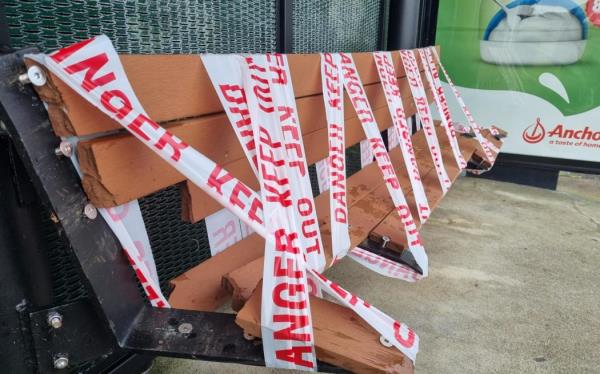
[[61, 362], [185, 328], [90, 211], [55, 320], [386, 240], [36, 75], [64, 149]]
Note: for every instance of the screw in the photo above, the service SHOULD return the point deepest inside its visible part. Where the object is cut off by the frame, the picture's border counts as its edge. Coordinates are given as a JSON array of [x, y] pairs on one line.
[[55, 320], [61, 361], [64, 149], [386, 240], [90, 211], [385, 342], [248, 336], [24, 78], [35, 75], [185, 328]]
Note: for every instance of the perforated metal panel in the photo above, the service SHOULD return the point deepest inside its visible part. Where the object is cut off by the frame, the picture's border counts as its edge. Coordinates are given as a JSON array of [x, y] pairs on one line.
[[336, 26], [177, 245], [138, 26]]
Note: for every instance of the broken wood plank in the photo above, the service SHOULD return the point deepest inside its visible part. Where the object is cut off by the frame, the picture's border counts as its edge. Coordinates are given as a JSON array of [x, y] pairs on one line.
[[197, 204], [173, 87], [341, 337], [365, 213], [469, 148], [108, 163], [199, 288]]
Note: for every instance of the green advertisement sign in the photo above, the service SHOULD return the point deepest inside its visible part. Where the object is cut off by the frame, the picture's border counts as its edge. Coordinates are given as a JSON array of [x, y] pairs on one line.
[[531, 67]]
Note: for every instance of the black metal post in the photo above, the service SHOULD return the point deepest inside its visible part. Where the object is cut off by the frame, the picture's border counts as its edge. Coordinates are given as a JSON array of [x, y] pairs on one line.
[[285, 27]]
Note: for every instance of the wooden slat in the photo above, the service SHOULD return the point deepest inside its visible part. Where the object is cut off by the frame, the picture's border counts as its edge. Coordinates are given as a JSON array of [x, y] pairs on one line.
[[188, 294], [341, 337], [173, 87], [199, 288], [374, 214], [198, 204], [109, 164], [433, 190], [368, 202], [469, 147]]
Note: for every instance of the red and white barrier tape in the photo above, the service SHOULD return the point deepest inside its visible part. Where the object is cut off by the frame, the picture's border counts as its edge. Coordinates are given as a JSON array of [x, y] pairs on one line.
[[226, 76], [356, 92], [306, 212], [225, 73], [422, 104], [322, 169], [488, 147], [224, 229], [366, 153], [92, 68], [393, 138], [395, 333], [389, 82], [433, 79], [286, 321], [333, 96], [127, 223]]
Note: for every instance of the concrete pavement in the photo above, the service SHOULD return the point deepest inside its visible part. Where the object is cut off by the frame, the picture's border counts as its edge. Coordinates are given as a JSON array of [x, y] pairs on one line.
[[514, 284]]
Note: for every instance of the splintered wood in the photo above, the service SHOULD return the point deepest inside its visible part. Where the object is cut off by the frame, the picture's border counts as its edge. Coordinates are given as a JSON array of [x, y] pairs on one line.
[[342, 338], [177, 92]]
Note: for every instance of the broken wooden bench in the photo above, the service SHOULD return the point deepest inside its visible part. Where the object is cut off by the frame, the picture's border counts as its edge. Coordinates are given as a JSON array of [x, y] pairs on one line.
[[177, 93]]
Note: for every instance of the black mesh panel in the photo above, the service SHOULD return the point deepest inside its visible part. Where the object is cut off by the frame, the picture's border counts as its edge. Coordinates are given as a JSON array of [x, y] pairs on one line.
[[138, 26], [336, 26]]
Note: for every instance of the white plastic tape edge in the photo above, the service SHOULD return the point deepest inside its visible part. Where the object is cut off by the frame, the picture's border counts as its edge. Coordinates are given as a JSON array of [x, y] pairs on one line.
[[356, 92], [383, 266], [224, 229], [485, 144], [127, 223], [226, 76], [366, 153], [389, 82], [333, 96], [393, 138], [286, 322], [422, 104], [433, 80], [322, 175]]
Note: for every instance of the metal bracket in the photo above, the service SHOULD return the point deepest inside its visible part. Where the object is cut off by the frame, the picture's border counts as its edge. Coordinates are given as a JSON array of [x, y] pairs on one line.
[[383, 250], [78, 338]]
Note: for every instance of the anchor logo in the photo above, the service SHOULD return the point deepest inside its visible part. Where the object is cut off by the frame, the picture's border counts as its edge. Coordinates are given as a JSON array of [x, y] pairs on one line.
[[534, 133]]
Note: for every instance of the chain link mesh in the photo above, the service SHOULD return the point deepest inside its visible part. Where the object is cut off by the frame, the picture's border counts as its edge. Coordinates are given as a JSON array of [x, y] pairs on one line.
[[336, 26], [138, 26]]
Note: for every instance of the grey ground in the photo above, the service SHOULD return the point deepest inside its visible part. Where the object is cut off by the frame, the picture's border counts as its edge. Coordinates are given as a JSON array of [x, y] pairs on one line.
[[514, 285]]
